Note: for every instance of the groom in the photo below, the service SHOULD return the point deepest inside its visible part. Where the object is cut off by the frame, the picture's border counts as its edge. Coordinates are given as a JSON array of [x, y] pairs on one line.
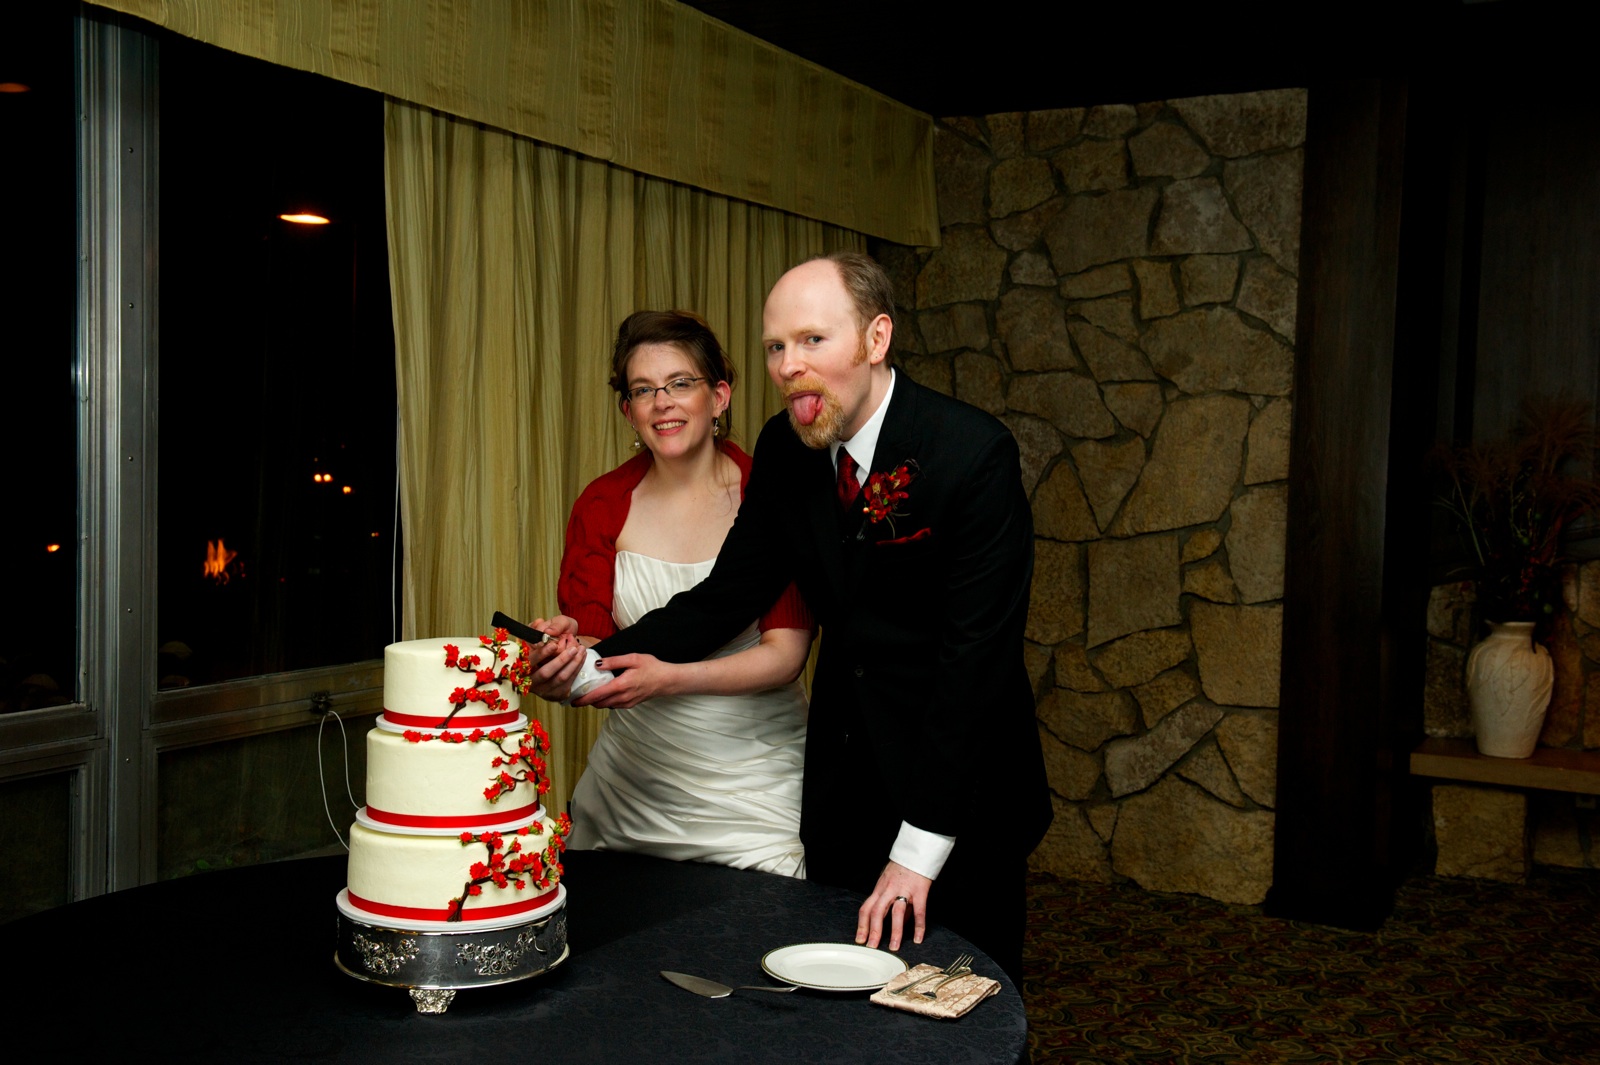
[[900, 514]]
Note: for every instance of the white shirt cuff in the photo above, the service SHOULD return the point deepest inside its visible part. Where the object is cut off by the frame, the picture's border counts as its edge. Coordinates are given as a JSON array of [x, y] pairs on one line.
[[921, 851], [589, 677]]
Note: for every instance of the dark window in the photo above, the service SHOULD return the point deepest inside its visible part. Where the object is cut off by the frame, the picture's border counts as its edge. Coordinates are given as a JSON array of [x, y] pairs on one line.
[[38, 413], [276, 501]]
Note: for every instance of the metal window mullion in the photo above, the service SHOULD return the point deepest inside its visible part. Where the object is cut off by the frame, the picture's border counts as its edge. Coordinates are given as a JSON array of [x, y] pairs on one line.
[[117, 225]]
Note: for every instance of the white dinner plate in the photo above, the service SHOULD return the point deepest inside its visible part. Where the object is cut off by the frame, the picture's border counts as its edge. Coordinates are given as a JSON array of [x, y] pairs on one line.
[[832, 966]]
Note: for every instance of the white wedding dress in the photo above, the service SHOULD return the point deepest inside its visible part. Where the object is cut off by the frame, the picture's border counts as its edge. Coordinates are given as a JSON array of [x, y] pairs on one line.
[[709, 778]]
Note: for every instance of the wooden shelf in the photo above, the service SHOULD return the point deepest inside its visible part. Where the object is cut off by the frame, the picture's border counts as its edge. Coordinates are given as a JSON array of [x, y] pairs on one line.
[[1549, 768]]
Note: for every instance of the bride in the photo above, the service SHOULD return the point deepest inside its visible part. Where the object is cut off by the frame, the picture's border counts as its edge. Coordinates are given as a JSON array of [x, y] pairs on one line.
[[702, 760]]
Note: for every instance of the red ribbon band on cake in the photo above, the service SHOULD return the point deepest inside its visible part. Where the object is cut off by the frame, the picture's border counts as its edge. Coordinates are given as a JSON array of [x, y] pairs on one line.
[[474, 913], [521, 813], [460, 722]]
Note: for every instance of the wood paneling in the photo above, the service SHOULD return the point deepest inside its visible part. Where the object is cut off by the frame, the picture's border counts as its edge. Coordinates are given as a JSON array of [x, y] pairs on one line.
[[1539, 287], [1337, 761]]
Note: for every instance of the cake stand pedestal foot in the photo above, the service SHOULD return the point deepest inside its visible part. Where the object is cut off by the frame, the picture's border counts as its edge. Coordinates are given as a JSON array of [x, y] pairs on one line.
[[432, 999]]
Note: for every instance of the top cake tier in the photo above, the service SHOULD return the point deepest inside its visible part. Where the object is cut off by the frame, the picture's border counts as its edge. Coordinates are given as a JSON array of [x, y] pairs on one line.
[[455, 682]]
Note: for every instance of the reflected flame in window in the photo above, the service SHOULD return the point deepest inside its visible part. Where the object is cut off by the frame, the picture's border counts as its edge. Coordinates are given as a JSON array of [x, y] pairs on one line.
[[52, 548], [217, 559]]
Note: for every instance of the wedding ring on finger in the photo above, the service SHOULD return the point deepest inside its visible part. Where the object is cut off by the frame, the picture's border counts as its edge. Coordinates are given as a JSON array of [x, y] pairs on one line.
[[901, 898]]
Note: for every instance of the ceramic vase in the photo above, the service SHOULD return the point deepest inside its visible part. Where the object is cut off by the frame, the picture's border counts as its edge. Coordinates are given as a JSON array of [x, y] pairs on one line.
[[1509, 680]]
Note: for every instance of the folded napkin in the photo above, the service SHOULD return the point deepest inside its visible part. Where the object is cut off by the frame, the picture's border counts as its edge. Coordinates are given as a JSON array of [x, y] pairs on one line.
[[955, 999]]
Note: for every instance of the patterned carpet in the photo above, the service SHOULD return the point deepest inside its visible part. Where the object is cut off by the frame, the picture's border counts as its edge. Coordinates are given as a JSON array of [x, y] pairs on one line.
[[1464, 971]]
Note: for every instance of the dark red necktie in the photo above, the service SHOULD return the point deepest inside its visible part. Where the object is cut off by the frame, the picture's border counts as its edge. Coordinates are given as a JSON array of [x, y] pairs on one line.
[[847, 487]]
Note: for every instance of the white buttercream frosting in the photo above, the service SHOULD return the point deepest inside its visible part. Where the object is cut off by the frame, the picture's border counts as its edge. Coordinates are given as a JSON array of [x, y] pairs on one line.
[[416, 680]]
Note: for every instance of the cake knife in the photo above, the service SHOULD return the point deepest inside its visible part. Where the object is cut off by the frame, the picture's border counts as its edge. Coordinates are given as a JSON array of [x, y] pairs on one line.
[[516, 628], [590, 675], [711, 989]]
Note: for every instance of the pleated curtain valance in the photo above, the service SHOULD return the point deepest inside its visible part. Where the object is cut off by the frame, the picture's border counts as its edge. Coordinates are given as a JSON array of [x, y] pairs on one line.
[[649, 85]]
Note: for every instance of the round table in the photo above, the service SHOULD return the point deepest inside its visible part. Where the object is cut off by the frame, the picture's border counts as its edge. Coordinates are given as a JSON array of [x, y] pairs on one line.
[[238, 966]]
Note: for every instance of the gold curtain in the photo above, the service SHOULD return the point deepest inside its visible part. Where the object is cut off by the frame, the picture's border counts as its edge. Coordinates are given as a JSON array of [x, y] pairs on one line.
[[650, 85], [511, 265]]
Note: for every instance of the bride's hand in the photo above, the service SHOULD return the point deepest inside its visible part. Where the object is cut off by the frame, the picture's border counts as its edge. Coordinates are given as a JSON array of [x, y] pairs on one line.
[[645, 676], [560, 625], [555, 663]]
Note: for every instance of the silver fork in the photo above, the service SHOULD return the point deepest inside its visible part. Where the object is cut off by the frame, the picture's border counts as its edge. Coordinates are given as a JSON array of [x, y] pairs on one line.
[[958, 974], [953, 968]]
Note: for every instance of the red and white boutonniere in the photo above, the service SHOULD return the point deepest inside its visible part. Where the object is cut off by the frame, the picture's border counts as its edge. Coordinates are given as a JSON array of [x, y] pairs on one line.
[[884, 492]]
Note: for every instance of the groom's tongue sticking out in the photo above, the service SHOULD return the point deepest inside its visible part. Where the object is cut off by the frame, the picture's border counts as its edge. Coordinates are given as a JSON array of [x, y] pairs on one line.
[[814, 411], [804, 406]]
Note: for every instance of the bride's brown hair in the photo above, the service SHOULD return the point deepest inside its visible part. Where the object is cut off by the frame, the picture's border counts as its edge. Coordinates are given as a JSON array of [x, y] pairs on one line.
[[684, 330]]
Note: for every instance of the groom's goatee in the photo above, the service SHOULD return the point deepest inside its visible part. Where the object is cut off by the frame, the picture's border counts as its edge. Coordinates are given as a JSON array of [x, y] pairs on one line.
[[826, 426]]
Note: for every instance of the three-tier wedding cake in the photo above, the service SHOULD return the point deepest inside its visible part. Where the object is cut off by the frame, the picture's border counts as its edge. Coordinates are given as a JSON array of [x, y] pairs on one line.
[[453, 841]]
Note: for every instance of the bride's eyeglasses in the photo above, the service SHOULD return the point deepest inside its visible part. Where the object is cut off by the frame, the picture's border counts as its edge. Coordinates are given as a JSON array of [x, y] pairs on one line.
[[677, 388]]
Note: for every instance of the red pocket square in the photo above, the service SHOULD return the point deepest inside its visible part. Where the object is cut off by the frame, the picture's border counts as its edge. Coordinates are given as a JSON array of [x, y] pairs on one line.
[[920, 534]]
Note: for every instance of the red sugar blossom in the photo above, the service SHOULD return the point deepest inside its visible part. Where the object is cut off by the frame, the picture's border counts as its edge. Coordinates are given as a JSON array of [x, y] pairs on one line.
[[486, 680], [505, 867]]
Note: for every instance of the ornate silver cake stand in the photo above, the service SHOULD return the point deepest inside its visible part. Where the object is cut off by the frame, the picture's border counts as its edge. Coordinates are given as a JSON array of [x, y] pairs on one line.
[[433, 965]]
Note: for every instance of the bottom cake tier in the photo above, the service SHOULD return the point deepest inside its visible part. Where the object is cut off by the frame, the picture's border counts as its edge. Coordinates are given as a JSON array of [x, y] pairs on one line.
[[472, 878]]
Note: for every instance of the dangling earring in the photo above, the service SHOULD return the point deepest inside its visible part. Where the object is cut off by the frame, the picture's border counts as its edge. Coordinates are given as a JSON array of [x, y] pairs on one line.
[[637, 443]]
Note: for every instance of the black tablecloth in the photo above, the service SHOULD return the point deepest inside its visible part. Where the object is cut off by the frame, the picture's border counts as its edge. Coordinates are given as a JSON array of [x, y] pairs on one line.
[[238, 966]]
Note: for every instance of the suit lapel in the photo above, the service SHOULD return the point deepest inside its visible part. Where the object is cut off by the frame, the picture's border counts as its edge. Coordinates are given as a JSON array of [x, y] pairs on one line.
[[897, 440]]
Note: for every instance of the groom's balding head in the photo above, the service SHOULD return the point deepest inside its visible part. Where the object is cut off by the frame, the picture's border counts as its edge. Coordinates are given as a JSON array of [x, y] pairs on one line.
[[867, 284]]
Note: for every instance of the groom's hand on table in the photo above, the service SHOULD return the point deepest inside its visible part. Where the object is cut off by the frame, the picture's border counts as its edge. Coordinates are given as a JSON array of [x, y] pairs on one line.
[[556, 661], [895, 883]]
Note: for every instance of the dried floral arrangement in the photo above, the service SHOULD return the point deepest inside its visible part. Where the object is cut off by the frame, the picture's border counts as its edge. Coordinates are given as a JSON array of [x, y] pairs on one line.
[[1515, 498]]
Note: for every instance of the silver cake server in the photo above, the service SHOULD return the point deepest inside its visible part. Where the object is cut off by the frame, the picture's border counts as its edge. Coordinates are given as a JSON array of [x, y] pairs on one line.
[[710, 988]]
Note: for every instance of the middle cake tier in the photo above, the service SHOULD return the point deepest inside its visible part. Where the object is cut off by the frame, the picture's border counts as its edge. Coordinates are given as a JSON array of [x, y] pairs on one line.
[[453, 781]]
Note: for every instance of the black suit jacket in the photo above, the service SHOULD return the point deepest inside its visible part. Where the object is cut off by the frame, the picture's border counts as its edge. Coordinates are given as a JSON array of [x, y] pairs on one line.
[[921, 709]]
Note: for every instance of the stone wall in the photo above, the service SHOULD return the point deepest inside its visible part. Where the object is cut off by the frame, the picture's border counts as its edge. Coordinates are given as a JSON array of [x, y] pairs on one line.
[[1118, 285]]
